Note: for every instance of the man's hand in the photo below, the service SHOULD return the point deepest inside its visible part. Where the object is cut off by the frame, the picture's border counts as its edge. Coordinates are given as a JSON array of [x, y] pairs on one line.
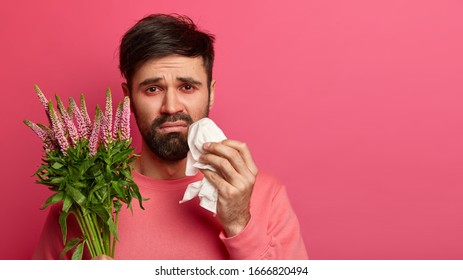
[[234, 180], [102, 258]]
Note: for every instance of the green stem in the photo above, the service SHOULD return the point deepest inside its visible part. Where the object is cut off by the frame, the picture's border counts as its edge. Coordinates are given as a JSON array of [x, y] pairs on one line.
[[96, 227], [107, 236], [85, 231], [107, 240], [93, 235], [113, 249]]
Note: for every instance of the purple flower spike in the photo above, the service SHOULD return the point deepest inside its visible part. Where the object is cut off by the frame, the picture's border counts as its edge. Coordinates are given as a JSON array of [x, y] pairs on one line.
[[117, 121], [39, 131], [50, 141], [83, 110], [108, 119], [82, 129], [58, 129], [68, 123], [125, 119], [93, 142], [43, 100], [45, 134]]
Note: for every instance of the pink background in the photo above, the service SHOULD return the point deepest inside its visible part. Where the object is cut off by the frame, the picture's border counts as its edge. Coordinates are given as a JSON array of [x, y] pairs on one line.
[[356, 106]]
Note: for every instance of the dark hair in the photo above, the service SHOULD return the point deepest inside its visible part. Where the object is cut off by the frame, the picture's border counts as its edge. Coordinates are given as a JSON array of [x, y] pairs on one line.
[[160, 35]]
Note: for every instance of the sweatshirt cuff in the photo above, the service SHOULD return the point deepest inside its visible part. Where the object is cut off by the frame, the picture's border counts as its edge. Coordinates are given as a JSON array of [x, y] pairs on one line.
[[250, 244]]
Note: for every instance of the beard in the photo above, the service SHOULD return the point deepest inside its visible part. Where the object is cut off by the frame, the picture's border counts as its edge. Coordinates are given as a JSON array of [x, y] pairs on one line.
[[171, 146]]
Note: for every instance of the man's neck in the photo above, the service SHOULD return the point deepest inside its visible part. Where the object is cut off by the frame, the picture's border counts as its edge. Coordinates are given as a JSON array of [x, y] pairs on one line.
[[150, 165]]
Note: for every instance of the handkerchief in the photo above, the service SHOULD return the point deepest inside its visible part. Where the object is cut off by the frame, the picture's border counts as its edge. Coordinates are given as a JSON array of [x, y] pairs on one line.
[[200, 132]]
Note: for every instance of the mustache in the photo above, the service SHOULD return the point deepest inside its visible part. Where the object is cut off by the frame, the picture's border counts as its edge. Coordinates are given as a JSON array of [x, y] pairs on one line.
[[171, 118]]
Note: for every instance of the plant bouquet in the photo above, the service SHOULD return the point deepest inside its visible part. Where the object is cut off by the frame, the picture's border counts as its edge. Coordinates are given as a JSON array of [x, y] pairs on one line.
[[87, 166]]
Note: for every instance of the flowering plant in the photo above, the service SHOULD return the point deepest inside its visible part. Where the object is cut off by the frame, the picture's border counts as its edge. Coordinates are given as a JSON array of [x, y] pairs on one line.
[[87, 166]]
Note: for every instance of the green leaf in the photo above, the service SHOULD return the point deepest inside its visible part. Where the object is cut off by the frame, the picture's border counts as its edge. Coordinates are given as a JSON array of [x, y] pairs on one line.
[[126, 173], [100, 196], [71, 244], [79, 184], [64, 228], [57, 165], [113, 228], [136, 193], [76, 195], [119, 191], [95, 189], [86, 165], [67, 203], [117, 205], [41, 168], [101, 212], [78, 252], [57, 180], [121, 156], [57, 197]]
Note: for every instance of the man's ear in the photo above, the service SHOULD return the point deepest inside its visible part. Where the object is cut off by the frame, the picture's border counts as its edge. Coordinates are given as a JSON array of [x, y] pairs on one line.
[[212, 94], [125, 89]]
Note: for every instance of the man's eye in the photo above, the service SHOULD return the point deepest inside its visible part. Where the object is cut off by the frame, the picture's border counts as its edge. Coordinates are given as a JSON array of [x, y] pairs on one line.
[[188, 88], [152, 89]]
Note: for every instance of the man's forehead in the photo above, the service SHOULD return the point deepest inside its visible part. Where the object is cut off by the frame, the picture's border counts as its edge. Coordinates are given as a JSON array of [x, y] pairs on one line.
[[173, 65], [175, 61]]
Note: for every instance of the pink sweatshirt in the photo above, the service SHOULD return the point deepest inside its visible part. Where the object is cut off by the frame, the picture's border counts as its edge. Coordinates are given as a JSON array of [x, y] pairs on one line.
[[169, 230]]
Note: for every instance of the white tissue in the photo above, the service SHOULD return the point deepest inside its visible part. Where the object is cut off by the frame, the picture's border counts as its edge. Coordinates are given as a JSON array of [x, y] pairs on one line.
[[200, 132]]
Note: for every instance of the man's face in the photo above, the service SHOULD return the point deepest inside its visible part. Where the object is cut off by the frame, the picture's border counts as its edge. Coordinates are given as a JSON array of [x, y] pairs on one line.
[[168, 95]]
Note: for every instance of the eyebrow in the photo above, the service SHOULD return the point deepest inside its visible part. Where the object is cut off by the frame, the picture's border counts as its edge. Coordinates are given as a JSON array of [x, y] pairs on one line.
[[150, 81], [189, 80], [181, 79]]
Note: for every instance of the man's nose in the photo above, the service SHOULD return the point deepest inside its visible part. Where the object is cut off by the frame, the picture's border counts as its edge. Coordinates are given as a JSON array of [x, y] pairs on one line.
[[171, 103]]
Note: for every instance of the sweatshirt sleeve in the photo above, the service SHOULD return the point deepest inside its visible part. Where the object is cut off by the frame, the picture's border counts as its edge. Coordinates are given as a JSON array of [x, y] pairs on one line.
[[50, 243], [272, 233]]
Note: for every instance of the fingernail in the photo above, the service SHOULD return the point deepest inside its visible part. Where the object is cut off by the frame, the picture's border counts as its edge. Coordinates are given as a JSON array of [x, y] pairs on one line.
[[206, 145]]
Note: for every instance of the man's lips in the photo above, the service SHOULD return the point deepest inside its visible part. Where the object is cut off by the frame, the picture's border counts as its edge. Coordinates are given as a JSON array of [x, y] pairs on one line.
[[178, 126]]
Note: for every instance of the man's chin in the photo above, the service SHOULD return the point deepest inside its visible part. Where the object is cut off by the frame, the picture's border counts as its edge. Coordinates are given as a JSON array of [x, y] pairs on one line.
[[171, 156], [170, 150]]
